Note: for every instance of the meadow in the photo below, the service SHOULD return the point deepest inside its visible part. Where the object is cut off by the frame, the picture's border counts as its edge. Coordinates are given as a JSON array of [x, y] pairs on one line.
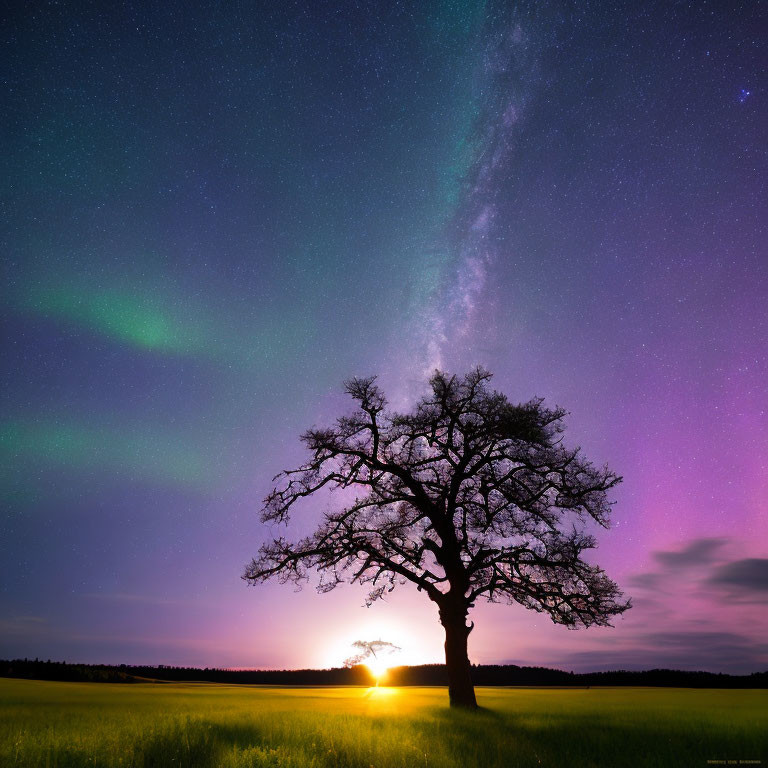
[[207, 725]]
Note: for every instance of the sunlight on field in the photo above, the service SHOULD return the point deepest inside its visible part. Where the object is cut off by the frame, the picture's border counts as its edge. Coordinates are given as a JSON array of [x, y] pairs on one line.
[[207, 726], [383, 693]]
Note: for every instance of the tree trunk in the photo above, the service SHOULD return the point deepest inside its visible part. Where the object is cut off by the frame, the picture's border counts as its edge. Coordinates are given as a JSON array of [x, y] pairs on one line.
[[461, 691]]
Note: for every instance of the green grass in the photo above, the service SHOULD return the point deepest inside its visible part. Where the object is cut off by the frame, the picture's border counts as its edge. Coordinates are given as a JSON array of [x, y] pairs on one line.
[[185, 725]]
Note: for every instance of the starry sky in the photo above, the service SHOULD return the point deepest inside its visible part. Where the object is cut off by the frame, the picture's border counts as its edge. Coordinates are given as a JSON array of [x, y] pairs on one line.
[[213, 214]]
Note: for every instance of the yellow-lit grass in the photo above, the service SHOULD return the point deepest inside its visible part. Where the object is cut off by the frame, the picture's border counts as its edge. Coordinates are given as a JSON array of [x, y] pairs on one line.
[[206, 725]]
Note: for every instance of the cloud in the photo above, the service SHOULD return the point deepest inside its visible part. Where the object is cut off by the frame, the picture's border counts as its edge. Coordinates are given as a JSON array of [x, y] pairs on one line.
[[707, 573], [713, 640], [696, 552], [709, 651], [750, 573], [650, 580], [701, 604], [22, 625]]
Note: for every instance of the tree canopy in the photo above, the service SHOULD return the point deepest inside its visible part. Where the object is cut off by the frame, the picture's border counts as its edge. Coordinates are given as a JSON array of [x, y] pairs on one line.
[[467, 497]]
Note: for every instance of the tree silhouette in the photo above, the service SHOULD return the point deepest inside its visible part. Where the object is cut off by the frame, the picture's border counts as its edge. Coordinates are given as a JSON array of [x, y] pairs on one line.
[[468, 497], [367, 649]]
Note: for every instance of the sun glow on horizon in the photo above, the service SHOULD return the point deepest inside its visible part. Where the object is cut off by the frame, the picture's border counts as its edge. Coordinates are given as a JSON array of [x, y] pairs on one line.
[[409, 653], [378, 666]]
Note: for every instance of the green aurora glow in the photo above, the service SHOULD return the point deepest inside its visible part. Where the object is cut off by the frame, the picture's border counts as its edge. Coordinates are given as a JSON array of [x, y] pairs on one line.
[[131, 452], [138, 321], [150, 322]]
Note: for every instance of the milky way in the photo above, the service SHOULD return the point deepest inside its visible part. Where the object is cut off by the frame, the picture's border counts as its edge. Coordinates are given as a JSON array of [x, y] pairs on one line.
[[212, 217]]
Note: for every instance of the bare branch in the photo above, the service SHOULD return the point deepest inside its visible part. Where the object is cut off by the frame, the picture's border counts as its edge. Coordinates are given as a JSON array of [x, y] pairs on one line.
[[467, 497]]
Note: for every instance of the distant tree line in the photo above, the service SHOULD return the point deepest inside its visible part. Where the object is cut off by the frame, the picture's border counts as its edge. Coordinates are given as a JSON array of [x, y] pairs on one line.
[[428, 674]]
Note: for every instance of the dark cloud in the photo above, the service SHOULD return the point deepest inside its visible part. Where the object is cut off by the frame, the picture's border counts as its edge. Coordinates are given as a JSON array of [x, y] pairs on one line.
[[707, 651], [744, 580], [750, 573], [686, 640], [715, 640], [696, 552], [650, 580]]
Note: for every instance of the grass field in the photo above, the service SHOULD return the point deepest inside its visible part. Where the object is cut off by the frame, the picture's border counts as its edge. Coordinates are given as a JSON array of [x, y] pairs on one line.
[[90, 724]]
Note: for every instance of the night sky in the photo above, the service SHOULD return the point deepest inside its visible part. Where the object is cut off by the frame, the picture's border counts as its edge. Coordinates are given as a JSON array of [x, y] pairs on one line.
[[213, 214]]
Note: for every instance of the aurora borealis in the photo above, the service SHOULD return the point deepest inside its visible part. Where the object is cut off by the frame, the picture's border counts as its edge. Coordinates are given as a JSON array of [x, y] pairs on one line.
[[213, 215]]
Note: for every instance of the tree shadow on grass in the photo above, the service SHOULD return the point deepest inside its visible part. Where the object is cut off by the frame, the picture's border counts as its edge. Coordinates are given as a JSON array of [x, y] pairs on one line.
[[443, 738], [490, 738], [204, 744], [191, 743]]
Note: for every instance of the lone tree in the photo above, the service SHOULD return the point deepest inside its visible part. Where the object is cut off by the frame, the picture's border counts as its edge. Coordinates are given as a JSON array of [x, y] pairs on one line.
[[367, 649], [373, 654], [468, 497]]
